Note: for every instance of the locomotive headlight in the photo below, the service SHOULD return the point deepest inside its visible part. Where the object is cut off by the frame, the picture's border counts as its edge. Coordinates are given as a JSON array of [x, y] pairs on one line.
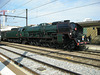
[[70, 33], [78, 40]]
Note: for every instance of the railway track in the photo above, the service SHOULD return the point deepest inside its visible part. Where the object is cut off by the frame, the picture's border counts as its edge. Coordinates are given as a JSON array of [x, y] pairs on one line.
[[59, 69], [81, 57], [76, 57], [90, 52]]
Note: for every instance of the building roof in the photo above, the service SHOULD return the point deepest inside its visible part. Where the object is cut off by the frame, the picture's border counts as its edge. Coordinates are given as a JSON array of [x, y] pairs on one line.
[[89, 23]]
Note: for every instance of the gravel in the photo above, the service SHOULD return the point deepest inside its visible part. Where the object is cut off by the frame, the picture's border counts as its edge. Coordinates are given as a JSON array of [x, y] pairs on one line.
[[33, 65], [78, 68]]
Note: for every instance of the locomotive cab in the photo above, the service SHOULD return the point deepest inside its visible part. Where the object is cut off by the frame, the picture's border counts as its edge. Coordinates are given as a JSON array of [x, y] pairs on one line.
[[77, 33], [76, 29]]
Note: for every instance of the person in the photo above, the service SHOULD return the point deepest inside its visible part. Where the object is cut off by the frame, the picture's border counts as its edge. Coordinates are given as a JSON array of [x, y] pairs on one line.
[[90, 38]]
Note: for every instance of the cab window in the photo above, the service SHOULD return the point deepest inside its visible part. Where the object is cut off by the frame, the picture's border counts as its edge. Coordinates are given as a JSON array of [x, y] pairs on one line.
[[73, 26]]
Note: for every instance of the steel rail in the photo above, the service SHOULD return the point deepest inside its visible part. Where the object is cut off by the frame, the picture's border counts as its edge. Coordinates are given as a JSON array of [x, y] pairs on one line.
[[68, 71]]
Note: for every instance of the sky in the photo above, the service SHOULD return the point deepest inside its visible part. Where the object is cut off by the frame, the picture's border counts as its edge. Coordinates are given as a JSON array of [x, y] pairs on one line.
[[47, 11]]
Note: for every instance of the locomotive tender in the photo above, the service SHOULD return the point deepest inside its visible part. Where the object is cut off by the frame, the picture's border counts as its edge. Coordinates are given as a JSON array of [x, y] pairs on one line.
[[64, 34]]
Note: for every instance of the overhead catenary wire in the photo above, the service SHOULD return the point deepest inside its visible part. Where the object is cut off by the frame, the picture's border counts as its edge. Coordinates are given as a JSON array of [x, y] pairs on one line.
[[11, 22], [42, 5], [39, 6], [23, 4], [5, 4], [13, 16], [66, 10], [18, 6]]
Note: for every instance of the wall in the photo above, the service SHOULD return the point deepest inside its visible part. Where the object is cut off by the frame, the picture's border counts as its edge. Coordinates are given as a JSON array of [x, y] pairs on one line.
[[92, 31]]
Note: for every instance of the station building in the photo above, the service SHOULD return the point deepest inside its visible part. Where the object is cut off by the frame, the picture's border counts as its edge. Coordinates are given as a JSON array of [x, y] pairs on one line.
[[92, 30]]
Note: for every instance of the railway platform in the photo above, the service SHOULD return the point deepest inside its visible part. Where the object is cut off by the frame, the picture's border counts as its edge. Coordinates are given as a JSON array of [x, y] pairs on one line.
[[7, 68], [93, 47]]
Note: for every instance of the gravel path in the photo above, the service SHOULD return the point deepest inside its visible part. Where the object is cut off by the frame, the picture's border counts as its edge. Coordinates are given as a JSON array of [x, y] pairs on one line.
[[78, 68]]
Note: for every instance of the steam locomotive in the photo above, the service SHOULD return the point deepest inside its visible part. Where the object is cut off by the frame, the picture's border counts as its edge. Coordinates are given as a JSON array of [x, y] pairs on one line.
[[62, 34]]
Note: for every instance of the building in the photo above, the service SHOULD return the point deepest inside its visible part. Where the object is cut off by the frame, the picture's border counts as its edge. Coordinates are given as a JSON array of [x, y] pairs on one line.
[[92, 29]]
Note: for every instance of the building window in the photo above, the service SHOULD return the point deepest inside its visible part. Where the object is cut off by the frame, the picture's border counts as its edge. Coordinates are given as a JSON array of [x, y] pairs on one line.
[[93, 28], [98, 31]]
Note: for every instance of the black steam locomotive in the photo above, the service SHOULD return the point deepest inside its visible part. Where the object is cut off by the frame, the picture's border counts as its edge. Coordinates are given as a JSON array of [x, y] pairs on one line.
[[66, 34]]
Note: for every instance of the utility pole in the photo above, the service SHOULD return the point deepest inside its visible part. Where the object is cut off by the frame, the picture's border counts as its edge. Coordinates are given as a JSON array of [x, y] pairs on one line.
[[4, 21], [26, 17], [3, 11], [0, 25], [0, 29]]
